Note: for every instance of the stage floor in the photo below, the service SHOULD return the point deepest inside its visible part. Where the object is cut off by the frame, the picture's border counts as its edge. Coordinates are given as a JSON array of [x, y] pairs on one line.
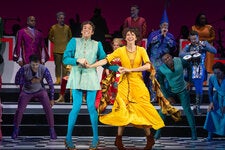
[[107, 143]]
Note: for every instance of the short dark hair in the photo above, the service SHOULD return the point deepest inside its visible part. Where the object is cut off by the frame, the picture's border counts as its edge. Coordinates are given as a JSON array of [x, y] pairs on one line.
[[164, 53], [88, 22], [136, 31], [219, 65], [34, 58], [192, 33]]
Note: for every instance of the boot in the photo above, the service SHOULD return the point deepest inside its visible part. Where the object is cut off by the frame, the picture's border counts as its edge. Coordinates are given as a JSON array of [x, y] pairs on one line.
[[60, 99], [58, 80], [150, 142], [69, 145], [118, 142], [52, 133], [15, 133], [193, 133], [94, 145]]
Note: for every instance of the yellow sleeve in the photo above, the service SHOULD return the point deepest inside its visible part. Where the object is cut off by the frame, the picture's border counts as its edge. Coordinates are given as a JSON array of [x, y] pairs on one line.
[[144, 55], [113, 55]]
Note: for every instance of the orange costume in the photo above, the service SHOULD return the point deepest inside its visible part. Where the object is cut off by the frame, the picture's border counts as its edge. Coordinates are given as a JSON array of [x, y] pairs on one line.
[[206, 33]]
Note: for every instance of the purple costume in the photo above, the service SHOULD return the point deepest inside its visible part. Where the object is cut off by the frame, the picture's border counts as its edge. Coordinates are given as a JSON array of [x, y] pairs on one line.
[[30, 41], [25, 77]]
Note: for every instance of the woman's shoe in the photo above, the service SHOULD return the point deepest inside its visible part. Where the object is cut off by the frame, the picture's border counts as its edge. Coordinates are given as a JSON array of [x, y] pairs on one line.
[[94, 145], [150, 142], [118, 142], [69, 145], [15, 133]]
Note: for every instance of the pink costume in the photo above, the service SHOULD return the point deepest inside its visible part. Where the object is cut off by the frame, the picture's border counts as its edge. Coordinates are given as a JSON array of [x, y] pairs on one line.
[[30, 41]]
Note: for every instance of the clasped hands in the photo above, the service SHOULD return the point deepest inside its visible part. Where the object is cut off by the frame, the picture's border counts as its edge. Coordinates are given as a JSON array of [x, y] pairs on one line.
[[84, 63]]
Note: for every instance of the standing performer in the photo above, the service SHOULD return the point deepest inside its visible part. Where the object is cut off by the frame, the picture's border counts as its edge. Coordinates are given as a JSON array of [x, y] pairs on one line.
[[215, 119], [78, 52], [132, 105], [197, 50], [59, 34], [29, 41], [30, 78]]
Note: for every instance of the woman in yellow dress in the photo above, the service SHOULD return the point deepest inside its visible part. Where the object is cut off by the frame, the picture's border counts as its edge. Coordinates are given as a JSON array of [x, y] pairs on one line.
[[132, 105]]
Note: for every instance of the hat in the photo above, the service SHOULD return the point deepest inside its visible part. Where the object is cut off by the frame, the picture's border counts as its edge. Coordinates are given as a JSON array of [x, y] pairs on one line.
[[164, 17]]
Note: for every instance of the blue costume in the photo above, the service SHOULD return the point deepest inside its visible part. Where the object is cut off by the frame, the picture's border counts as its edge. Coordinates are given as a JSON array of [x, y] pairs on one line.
[[158, 44], [215, 119], [82, 78], [198, 67]]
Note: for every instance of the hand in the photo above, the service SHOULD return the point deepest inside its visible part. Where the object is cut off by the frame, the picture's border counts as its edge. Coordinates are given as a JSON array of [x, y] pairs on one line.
[[35, 80], [189, 85], [164, 31], [123, 70], [52, 102], [193, 52], [211, 107], [82, 61]]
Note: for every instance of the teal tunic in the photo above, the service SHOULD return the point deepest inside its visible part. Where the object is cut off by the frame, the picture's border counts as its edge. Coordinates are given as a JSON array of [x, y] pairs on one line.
[[80, 77]]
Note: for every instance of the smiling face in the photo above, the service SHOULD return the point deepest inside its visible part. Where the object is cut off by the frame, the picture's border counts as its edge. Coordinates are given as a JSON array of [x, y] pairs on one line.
[[194, 39], [87, 31], [34, 66], [130, 37]]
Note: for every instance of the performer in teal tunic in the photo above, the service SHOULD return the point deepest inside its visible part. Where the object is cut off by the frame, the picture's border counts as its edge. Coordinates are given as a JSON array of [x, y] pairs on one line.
[[172, 71], [78, 52], [215, 119]]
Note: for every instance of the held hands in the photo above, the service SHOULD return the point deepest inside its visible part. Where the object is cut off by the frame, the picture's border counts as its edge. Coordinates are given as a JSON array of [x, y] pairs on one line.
[[82, 61], [123, 70]]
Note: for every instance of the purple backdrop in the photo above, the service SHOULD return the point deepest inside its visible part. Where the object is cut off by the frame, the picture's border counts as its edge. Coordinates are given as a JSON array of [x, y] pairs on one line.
[[180, 12]]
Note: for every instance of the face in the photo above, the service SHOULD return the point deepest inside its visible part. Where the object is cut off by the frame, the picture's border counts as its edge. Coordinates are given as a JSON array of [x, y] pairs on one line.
[[61, 19], [115, 45], [34, 66], [164, 25], [202, 19], [130, 37], [87, 31], [218, 73], [168, 60], [133, 12], [31, 22], [194, 39]]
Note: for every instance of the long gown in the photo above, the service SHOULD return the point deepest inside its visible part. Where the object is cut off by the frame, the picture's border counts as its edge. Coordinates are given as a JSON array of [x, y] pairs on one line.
[[132, 105], [215, 119]]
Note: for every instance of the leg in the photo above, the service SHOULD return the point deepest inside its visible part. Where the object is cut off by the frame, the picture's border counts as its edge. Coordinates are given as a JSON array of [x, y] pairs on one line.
[[44, 100], [185, 103], [91, 95], [118, 142], [198, 83], [62, 90], [22, 104], [150, 139], [57, 60], [158, 132], [77, 101]]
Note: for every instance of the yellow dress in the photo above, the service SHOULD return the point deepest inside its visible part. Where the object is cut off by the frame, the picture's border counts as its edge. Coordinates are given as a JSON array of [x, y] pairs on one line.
[[132, 105]]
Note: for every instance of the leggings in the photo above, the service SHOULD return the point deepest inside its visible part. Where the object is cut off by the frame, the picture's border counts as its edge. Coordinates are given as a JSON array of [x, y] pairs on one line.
[[77, 101]]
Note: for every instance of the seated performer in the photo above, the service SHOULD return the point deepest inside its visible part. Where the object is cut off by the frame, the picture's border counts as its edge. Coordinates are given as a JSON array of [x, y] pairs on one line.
[[30, 78], [215, 119]]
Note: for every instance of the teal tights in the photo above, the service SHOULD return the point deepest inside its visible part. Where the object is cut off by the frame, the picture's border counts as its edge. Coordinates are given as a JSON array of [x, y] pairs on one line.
[[77, 101]]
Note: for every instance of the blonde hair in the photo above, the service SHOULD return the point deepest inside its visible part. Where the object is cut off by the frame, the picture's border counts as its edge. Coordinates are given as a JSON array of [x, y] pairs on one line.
[[117, 40]]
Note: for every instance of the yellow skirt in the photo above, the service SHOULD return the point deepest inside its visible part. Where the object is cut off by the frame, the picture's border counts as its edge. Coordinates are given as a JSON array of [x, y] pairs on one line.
[[133, 108]]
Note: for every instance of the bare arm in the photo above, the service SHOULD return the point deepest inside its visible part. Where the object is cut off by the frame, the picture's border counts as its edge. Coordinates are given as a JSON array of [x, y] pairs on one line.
[[96, 64]]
